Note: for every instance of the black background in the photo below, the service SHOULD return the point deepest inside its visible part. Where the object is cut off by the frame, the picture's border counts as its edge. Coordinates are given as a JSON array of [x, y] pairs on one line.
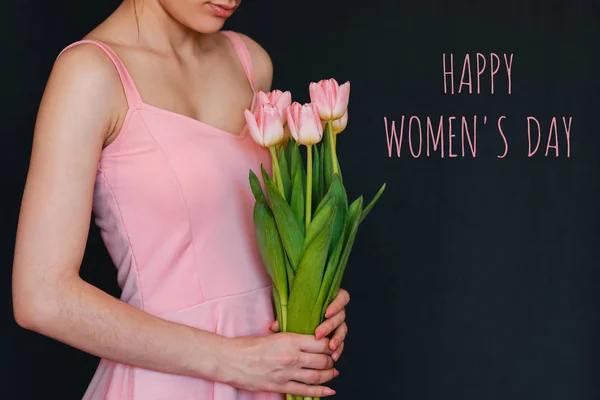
[[473, 278]]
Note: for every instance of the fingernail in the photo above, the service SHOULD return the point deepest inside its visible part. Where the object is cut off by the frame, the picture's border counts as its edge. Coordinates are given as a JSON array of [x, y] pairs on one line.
[[329, 392], [335, 356], [333, 344], [336, 372]]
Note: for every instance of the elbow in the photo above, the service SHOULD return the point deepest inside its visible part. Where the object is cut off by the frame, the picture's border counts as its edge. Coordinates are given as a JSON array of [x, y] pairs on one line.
[[33, 311], [26, 313]]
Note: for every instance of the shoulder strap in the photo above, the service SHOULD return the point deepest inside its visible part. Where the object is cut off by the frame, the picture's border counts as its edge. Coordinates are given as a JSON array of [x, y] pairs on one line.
[[131, 92], [243, 53]]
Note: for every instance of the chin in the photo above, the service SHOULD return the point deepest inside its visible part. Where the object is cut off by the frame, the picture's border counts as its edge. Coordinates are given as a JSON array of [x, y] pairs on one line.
[[205, 16], [206, 24]]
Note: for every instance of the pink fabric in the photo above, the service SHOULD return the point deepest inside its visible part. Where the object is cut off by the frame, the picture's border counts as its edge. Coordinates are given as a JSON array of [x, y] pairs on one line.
[[175, 210]]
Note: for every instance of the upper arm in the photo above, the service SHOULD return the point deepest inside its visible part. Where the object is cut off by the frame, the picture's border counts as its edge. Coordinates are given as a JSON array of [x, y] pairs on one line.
[[261, 64], [74, 119]]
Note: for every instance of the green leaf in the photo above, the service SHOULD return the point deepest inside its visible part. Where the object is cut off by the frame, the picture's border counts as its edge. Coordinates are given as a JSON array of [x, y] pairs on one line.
[[287, 225], [372, 203], [318, 310], [278, 308], [352, 224], [339, 169], [270, 246], [256, 187], [337, 190], [323, 216], [307, 282], [317, 190], [285, 174], [296, 160], [289, 150], [322, 189], [298, 204], [290, 274], [327, 160]]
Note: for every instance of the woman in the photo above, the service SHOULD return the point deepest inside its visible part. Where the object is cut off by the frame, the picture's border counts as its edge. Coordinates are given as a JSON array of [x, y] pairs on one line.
[[142, 124]]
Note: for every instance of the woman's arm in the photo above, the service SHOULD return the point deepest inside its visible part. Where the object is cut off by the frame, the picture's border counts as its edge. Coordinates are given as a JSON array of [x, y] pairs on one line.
[[77, 114]]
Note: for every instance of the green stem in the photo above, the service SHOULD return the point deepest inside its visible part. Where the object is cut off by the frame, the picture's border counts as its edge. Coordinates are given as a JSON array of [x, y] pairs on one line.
[[333, 152], [309, 174], [284, 317], [277, 171]]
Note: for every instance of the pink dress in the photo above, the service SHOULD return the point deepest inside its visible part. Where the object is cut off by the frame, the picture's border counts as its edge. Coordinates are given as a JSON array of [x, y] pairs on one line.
[[175, 210]]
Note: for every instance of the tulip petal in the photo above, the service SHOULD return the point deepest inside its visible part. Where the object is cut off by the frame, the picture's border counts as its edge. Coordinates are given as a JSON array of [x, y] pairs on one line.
[[318, 96], [271, 125], [292, 119], [253, 127], [340, 124], [340, 103], [310, 128]]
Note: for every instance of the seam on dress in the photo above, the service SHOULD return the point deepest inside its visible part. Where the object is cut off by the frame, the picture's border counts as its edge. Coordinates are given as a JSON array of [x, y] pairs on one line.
[[124, 227], [215, 299], [187, 210]]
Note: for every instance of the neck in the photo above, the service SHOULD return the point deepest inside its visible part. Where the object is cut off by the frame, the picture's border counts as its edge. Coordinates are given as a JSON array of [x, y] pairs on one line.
[[157, 29]]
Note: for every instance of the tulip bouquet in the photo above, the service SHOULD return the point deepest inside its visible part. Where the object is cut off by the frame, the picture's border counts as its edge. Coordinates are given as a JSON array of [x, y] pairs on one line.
[[305, 227]]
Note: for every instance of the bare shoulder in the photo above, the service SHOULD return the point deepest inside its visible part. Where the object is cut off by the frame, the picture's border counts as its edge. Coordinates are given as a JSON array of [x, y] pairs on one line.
[[261, 63], [84, 81], [86, 64]]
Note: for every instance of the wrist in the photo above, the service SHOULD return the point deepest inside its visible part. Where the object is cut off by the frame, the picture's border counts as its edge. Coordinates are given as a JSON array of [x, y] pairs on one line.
[[228, 369], [207, 359]]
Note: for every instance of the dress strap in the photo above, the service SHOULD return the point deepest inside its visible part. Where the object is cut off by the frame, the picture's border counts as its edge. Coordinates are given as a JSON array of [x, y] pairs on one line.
[[131, 92], [243, 53]]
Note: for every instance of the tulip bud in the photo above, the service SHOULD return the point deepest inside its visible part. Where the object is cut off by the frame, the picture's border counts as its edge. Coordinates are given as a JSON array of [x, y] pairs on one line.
[[281, 100], [331, 98], [305, 124], [265, 125], [339, 125]]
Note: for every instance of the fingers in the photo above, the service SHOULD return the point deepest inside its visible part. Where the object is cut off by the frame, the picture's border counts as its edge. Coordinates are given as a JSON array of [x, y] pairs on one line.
[[339, 336], [315, 376], [338, 352], [330, 324], [315, 361], [340, 301], [310, 344], [274, 326], [300, 389]]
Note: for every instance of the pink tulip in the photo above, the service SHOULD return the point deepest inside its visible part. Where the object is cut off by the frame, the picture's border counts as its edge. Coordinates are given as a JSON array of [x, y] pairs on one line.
[[305, 124], [265, 125], [339, 125], [279, 99], [331, 99]]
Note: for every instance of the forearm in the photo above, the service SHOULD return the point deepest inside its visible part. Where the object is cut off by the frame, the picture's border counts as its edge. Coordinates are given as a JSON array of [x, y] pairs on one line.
[[87, 318]]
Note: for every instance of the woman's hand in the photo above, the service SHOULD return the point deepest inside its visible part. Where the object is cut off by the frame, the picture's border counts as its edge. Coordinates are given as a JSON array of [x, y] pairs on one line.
[[335, 322], [282, 363]]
